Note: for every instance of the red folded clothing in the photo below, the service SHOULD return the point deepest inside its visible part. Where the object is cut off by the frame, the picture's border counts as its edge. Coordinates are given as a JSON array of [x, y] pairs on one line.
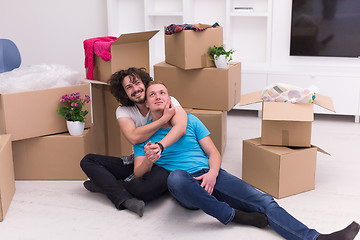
[[101, 47]]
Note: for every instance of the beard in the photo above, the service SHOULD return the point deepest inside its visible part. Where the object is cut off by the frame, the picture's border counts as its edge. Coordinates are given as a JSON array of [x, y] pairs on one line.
[[140, 100]]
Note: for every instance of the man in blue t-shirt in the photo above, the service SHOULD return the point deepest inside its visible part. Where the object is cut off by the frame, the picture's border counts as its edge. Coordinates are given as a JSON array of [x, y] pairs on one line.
[[197, 181]]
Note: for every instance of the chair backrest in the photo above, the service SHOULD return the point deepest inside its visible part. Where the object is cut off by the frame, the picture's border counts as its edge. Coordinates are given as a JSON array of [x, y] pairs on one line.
[[9, 56]]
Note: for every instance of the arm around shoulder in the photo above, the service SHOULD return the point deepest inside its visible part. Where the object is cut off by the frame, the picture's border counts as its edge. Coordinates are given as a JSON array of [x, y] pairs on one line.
[[179, 123]]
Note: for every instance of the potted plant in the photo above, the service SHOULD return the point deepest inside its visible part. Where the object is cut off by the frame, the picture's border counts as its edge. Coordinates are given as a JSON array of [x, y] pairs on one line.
[[73, 112], [220, 56]]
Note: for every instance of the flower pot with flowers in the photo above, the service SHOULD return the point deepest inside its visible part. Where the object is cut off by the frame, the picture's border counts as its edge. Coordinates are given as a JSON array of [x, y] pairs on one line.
[[220, 56], [73, 112]]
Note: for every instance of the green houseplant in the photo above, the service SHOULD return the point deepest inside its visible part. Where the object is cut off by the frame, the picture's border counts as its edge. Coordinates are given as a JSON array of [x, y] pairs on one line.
[[72, 111], [220, 56]]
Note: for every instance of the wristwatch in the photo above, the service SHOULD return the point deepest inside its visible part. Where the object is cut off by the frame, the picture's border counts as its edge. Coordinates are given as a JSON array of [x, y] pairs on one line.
[[161, 146]]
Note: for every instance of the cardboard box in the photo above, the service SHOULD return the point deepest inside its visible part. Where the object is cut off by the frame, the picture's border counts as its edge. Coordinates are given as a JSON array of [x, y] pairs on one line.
[[116, 143], [7, 180], [34, 113], [287, 124], [99, 119], [55, 157], [189, 49], [279, 171], [129, 50], [216, 123], [206, 88]]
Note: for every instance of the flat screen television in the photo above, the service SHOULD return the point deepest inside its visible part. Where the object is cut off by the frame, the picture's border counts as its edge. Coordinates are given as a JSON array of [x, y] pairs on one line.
[[329, 28]]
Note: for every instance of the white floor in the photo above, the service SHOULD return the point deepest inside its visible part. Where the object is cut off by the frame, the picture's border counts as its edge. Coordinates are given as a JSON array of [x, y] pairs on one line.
[[65, 210]]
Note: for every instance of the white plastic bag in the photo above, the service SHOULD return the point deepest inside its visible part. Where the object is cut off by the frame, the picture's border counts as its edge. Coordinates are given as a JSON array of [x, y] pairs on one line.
[[281, 92], [36, 77]]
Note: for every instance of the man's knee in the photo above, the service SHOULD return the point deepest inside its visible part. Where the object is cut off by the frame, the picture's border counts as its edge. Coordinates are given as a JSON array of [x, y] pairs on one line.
[[86, 159], [176, 179]]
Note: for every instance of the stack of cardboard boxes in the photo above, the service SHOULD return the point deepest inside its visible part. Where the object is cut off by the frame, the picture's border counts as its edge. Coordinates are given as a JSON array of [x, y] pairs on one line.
[[190, 76], [34, 143], [282, 162], [129, 50], [188, 73]]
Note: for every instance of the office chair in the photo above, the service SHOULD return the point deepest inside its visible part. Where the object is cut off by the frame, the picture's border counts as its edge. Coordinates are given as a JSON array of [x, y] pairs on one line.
[[9, 56]]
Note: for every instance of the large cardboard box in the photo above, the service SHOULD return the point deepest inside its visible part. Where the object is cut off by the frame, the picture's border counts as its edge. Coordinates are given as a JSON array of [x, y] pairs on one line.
[[7, 180], [216, 123], [189, 49], [129, 50], [54, 157], [279, 171], [284, 123], [206, 88], [116, 143], [31, 114]]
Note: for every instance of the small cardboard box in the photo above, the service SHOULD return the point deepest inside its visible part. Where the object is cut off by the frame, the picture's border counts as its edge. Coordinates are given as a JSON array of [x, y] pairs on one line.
[[189, 49], [279, 171], [7, 180], [54, 157], [287, 124], [206, 88], [216, 123], [34, 113], [129, 50]]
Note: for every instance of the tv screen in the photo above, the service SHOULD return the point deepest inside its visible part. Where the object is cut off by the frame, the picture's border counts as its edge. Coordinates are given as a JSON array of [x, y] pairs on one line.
[[325, 28]]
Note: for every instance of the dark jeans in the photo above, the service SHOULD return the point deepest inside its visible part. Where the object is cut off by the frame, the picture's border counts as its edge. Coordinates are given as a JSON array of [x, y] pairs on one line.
[[109, 173]]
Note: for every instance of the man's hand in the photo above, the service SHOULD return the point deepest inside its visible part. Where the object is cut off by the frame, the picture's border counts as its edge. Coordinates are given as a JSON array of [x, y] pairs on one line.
[[208, 181], [152, 151], [169, 111]]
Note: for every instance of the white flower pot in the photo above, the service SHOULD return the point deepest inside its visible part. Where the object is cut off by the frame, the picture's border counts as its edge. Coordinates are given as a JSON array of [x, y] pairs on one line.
[[221, 62], [75, 128]]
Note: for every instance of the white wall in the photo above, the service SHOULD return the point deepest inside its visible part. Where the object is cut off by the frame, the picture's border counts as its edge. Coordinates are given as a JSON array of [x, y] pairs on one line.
[[52, 32]]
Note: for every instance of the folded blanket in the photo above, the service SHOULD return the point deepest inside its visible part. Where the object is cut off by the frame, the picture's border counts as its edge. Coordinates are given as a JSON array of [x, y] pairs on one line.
[[174, 28], [101, 47]]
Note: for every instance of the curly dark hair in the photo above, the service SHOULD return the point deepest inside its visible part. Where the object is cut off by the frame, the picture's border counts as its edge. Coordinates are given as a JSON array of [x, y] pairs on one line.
[[116, 80]]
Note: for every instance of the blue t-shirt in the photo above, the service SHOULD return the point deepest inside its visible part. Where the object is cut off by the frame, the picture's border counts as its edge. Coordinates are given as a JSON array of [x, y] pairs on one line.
[[186, 153]]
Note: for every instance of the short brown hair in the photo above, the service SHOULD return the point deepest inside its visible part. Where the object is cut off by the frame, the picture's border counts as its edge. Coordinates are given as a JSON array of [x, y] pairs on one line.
[[154, 82]]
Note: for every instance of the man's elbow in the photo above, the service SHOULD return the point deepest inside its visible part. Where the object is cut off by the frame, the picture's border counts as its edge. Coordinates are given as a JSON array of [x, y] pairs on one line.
[[135, 140]]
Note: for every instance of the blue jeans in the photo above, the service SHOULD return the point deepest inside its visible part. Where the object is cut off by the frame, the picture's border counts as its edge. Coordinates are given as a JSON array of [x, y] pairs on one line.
[[232, 193]]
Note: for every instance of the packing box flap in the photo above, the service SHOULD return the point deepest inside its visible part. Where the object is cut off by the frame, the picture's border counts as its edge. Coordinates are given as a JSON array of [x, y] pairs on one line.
[[324, 101], [4, 138], [281, 149], [135, 37], [250, 98], [320, 100], [321, 150], [285, 111]]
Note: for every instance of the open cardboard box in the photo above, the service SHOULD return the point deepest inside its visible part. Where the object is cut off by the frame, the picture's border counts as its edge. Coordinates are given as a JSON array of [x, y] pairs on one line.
[[279, 171], [189, 49], [34, 113], [207, 88], [287, 124], [7, 180], [129, 50]]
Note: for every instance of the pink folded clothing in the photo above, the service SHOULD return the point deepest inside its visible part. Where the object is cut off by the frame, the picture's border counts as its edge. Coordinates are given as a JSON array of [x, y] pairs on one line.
[[101, 47]]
